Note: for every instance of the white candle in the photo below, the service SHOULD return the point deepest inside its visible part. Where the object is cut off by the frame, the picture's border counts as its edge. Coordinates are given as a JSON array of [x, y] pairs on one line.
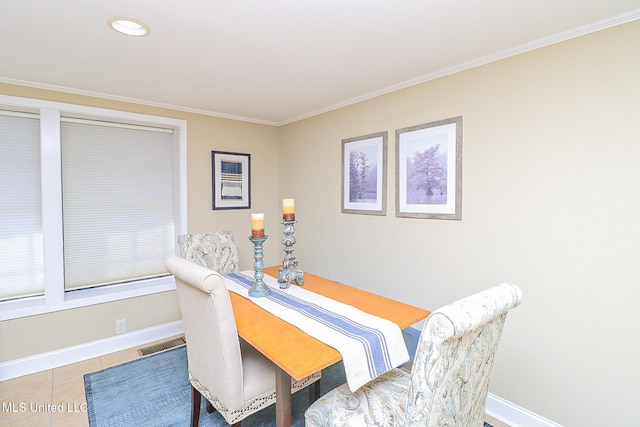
[[288, 210], [257, 225]]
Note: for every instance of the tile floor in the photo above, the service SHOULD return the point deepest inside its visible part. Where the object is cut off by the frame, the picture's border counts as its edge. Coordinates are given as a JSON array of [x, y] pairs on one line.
[[55, 398]]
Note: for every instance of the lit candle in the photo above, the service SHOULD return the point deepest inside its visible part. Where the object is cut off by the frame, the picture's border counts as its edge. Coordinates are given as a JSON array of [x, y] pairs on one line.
[[257, 225], [288, 210]]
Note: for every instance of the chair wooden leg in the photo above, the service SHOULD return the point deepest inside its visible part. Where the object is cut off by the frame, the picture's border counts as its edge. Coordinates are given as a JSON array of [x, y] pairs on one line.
[[196, 398]]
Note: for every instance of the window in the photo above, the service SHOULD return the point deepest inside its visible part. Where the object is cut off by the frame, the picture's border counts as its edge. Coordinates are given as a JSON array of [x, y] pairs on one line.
[[94, 201], [117, 201], [21, 256]]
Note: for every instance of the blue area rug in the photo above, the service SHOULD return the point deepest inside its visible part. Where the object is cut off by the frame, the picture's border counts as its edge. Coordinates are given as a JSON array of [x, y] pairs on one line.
[[154, 391]]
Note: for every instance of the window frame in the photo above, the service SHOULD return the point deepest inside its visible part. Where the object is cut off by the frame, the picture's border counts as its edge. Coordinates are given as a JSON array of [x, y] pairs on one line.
[[55, 298]]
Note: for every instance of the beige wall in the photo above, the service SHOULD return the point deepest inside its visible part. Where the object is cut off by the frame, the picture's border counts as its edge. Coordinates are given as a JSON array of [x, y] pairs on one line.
[[207, 134], [38, 334], [551, 142], [549, 203]]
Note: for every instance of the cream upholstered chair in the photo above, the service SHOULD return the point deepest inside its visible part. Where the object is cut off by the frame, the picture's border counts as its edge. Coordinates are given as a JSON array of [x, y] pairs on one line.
[[233, 376], [214, 250], [449, 379]]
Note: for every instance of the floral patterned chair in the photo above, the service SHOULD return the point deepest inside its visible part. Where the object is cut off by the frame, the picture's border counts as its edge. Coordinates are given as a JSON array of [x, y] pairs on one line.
[[214, 250], [449, 379]]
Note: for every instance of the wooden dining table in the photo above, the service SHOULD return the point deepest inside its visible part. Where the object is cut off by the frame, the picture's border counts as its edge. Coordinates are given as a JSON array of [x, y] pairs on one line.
[[296, 354]]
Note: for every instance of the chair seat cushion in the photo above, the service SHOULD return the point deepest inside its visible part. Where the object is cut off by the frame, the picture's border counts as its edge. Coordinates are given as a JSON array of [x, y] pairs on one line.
[[381, 402], [258, 373]]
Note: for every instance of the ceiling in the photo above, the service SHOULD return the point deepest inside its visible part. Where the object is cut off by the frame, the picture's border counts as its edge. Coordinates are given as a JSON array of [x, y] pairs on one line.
[[276, 61]]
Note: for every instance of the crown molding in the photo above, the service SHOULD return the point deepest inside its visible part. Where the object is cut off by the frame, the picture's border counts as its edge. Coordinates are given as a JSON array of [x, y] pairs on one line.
[[527, 47]]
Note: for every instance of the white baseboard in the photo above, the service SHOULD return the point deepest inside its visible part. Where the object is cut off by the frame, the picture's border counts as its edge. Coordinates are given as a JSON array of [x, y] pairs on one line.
[[53, 359], [514, 415]]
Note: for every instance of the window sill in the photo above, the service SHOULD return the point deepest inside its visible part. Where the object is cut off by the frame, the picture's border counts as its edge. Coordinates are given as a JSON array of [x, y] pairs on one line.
[[82, 298]]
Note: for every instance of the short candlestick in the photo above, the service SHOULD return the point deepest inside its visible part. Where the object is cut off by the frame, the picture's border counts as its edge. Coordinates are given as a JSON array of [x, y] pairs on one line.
[[259, 289]]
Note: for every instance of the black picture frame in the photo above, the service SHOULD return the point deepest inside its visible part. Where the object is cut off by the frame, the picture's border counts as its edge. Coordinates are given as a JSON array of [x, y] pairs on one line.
[[230, 180]]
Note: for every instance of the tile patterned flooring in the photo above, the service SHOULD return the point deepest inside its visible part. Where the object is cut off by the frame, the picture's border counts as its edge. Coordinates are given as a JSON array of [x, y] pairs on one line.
[[55, 397]]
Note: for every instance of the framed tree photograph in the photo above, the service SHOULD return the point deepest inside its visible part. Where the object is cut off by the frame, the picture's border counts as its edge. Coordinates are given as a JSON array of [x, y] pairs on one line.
[[364, 174], [429, 170], [231, 180]]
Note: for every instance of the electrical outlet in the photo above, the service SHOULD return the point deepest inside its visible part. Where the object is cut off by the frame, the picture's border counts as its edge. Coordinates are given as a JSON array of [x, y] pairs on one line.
[[121, 326]]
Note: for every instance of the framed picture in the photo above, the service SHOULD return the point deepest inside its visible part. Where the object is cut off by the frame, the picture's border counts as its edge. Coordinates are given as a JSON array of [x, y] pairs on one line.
[[231, 176], [429, 170], [364, 174]]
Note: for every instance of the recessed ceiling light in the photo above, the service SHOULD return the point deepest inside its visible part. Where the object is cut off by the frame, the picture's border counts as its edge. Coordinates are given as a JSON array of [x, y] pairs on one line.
[[129, 26]]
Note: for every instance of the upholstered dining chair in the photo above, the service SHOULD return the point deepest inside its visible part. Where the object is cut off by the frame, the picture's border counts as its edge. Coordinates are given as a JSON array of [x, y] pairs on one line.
[[449, 378], [214, 250], [233, 376]]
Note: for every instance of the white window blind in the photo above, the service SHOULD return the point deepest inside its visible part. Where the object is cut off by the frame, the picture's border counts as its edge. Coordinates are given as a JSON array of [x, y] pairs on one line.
[[118, 202], [21, 251]]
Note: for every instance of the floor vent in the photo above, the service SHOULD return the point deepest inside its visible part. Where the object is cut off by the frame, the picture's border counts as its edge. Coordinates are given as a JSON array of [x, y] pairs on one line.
[[166, 345]]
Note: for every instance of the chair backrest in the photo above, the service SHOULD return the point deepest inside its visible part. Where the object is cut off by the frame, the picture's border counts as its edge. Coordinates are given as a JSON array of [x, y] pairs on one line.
[[213, 346], [454, 359], [214, 250]]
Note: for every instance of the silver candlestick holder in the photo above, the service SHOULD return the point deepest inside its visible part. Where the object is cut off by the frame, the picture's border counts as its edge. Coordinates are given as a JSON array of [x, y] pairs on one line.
[[259, 289], [289, 272]]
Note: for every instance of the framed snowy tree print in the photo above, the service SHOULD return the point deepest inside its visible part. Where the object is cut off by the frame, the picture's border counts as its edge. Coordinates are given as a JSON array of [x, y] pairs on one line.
[[364, 174], [429, 170]]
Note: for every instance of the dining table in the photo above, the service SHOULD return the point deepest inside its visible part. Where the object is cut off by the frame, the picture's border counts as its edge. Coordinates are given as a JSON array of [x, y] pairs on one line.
[[297, 354]]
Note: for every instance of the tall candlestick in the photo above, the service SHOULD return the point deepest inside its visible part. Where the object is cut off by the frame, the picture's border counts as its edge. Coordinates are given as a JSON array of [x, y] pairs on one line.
[[289, 271], [288, 210], [257, 225]]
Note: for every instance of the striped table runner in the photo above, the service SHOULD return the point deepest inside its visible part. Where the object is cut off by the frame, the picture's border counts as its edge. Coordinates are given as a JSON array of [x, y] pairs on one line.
[[369, 345]]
